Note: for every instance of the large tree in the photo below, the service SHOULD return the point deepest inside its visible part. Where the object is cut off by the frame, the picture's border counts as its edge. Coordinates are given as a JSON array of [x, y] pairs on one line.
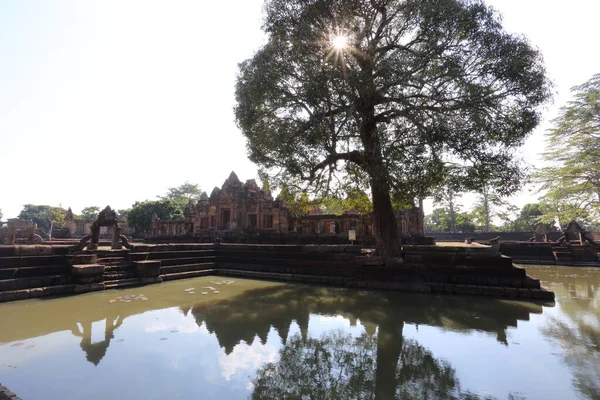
[[572, 180], [390, 94]]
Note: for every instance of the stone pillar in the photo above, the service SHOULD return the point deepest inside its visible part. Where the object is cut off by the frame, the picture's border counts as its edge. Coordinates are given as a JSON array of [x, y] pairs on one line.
[[11, 235], [116, 243], [95, 238]]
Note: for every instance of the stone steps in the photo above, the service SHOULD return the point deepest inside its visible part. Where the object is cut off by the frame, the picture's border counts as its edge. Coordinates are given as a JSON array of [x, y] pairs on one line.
[[30, 283], [165, 262], [123, 283], [189, 274], [45, 291], [186, 268], [181, 254], [119, 275]]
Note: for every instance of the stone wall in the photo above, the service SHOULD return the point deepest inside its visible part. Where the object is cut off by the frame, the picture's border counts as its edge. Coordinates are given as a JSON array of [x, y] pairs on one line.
[[39, 271], [486, 236]]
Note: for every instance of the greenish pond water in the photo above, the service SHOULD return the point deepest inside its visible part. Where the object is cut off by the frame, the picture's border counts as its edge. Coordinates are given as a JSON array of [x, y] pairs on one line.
[[222, 338]]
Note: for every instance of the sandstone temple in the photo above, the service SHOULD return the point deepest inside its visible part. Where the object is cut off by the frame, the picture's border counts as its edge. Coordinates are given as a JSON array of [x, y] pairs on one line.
[[238, 206]]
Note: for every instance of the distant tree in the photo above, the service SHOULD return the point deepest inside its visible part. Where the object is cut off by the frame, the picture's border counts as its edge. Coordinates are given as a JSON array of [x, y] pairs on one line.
[[184, 192], [440, 221], [488, 206], [46, 217], [558, 209], [139, 217], [90, 212], [572, 181], [507, 216], [388, 94], [1, 215], [530, 217], [124, 213], [447, 198], [56, 217]]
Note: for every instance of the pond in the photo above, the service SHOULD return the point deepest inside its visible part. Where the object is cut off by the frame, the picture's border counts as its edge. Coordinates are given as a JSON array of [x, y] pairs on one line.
[[226, 338]]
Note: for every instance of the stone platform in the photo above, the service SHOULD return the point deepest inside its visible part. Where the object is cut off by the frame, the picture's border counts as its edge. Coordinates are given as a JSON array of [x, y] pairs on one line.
[[37, 271]]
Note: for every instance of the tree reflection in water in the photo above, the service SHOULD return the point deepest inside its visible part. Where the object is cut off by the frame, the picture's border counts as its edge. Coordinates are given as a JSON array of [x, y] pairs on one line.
[[340, 366], [577, 330]]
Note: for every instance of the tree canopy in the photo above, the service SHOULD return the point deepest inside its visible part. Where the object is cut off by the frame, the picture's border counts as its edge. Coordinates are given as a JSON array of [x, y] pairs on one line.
[[139, 217], [572, 180], [185, 192], [1, 215], [44, 216], [90, 212], [422, 89], [530, 217]]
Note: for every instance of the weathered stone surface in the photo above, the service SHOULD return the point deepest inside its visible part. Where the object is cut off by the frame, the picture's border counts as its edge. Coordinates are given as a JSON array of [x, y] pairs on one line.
[[511, 293], [87, 270], [79, 259], [58, 290], [138, 256], [147, 269], [22, 294], [531, 283], [523, 293], [9, 284], [36, 292], [78, 289], [460, 289], [449, 288], [8, 295], [473, 289]]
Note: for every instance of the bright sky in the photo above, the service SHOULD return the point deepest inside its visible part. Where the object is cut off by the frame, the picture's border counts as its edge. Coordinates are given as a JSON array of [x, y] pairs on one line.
[[113, 101]]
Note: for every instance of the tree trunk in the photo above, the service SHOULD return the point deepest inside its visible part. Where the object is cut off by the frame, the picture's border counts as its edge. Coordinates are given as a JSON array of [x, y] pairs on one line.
[[50, 232], [386, 227]]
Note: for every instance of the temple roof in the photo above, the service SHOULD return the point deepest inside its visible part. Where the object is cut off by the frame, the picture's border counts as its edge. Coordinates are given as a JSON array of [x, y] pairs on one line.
[[215, 194]]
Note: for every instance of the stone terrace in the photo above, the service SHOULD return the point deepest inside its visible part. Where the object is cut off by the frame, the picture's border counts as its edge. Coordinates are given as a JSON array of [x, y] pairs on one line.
[[39, 271]]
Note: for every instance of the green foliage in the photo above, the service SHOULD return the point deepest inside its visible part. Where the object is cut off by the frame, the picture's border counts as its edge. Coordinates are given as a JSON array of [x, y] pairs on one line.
[[1, 215], [90, 212], [572, 181], [530, 217], [186, 191], [440, 221], [298, 203], [424, 90], [182, 194], [488, 206], [447, 198], [139, 216], [46, 217], [356, 201]]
